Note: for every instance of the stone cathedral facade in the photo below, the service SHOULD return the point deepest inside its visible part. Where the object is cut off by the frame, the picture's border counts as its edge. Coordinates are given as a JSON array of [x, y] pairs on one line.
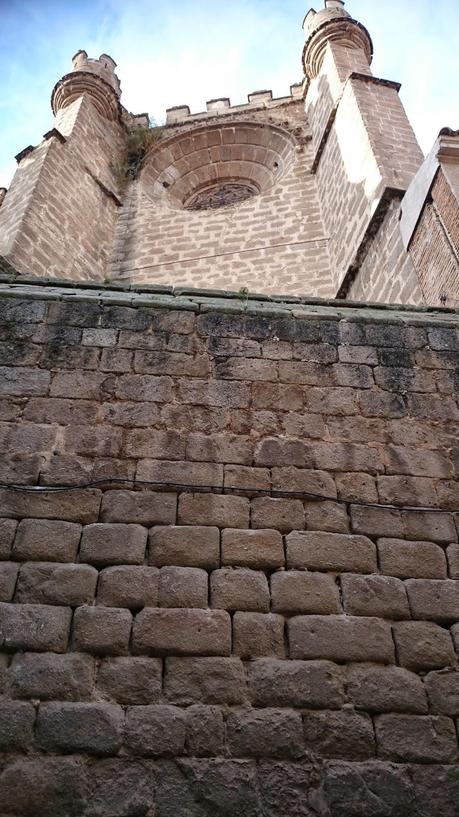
[[323, 192], [229, 474]]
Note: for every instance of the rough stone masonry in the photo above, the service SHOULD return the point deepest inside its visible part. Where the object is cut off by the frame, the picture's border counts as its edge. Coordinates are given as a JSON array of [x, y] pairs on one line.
[[226, 621]]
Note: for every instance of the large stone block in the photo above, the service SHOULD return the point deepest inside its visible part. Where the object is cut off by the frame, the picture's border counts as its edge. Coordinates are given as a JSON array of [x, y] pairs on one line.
[[182, 587], [129, 586], [239, 589], [17, 719], [257, 634], [385, 689], [443, 692], [43, 540], [95, 729], [304, 684], [185, 546], [111, 544], [205, 680], [341, 638], [416, 739], [296, 591], [48, 676], [34, 627], [342, 735], [155, 731], [205, 731], [102, 630], [423, 645], [61, 584], [129, 680], [142, 507], [49, 787], [434, 600], [331, 551], [411, 560], [182, 632], [265, 733], [383, 596], [258, 549], [216, 511]]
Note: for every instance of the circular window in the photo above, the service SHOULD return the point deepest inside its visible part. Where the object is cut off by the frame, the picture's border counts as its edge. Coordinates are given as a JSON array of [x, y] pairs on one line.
[[221, 195], [217, 166]]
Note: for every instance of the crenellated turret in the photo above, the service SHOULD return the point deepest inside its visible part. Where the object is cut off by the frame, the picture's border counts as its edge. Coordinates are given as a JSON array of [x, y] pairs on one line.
[[332, 25], [96, 78]]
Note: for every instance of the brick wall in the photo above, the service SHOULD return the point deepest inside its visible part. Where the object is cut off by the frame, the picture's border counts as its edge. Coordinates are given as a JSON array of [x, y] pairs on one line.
[[245, 649]]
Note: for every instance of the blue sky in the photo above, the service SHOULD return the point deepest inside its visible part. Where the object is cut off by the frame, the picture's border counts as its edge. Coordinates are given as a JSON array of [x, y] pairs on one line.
[[172, 52]]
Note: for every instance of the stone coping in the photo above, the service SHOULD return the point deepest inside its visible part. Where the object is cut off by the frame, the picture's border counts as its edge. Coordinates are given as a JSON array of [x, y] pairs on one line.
[[208, 300]]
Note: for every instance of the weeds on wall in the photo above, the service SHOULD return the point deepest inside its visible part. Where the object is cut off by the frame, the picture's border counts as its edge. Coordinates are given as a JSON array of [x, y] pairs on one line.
[[139, 142]]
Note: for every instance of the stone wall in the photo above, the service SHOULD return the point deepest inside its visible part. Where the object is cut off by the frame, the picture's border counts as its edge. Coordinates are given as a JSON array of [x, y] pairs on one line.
[[224, 642]]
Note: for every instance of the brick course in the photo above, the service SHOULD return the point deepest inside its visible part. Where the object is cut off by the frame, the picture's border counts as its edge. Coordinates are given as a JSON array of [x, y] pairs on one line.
[[217, 624]]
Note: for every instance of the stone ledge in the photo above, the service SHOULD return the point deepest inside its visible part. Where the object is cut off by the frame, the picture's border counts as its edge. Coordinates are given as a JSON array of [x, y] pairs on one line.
[[203, 300]]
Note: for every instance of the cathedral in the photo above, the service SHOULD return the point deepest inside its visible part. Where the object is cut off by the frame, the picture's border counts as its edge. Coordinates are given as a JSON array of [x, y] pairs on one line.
[[321, 193], [229, 472]]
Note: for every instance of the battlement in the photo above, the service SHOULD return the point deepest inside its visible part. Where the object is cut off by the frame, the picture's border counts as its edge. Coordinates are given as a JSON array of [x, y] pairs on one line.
[[222, 106]]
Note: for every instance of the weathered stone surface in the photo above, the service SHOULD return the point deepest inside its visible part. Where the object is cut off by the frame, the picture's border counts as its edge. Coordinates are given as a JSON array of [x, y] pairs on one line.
[[423, 645], [377, 789], [385, 689], [120, 787], [434, 600], [50, 787], [342, 735], [257, 634], [382, 596], [129, 680], [205, 680], [142, 507], [102, 631], [61, 506], [125, 586], [283, 515], [111, 544], [7, 532], [411, 560], [17, 719], [331, 551], [42, 540], [50, 583], [78, 727], [415, 738], [8, 577], [296, 591], [49, 676], [219, 511], [443, 692], [453, 561], [182, 632], [341, 639], [305, 684], [265, 733], [240, 589], [258, 549], [186, 546], [155, 731], [182, 587], [34, 627], [205, 731]]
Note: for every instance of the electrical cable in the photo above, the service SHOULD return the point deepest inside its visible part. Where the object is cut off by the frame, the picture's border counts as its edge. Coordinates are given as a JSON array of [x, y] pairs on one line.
[[219, 489]]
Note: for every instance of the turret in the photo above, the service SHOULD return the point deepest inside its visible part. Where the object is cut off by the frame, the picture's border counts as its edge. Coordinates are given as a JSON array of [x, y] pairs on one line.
[[96, 78], [332, 25]]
